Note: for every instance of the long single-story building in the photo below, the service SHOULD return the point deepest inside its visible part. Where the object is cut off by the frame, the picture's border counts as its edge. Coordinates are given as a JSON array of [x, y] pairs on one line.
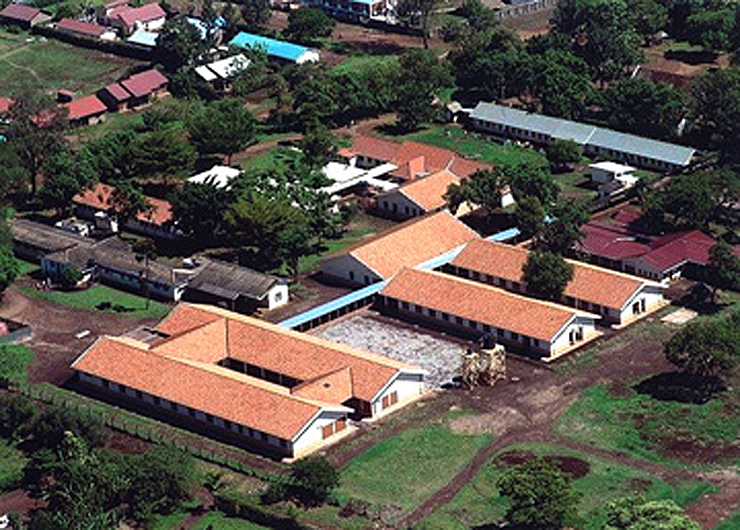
[[617, 297], [354, 9], [532, 327], [236, 288], [407, 245], [23, 15], [254, 383], [32, 241], [507, 122], [277, 49]]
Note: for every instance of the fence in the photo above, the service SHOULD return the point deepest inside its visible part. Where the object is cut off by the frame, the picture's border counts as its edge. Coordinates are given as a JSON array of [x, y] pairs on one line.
[[523, 9], [151, 431]]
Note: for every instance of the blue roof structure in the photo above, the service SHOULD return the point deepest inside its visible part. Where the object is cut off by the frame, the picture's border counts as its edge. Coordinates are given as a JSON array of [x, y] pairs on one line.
[[275, 48], [584, 134], [143, 37]]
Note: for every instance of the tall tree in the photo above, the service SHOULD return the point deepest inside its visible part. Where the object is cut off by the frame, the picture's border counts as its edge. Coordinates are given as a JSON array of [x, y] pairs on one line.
[[308, 24], [66, 175], [161, 154], [422, 77], [532, 179], [198, 210], [547, 274], [128, 201], [638, 514], [712, 28], [723, 269], [562, 153], [484, 189], [224, 126], [179, 44], [418, 13], [530, 216], [716, 111], [9, 264], [690, 200], [540, 496], [648, 17], [255, 13], [563, 232], [314, 480]]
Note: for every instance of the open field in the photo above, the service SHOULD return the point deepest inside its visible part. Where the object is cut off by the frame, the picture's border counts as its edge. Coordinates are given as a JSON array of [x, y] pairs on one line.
[[598, 481], [617, 418], [473, 145], [404, 470], [53, 65], [98, 297]]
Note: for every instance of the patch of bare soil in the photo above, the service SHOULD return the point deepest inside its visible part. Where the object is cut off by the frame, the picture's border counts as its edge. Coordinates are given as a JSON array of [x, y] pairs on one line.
[[495, 423], [575, 467], [694, 451]]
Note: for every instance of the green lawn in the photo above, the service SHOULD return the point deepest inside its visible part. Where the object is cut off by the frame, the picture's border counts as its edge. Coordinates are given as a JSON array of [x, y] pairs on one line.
[[361, 62], [349, 238], [14, 362], [473, 145], [408, 468], [91, 298], [52, 65], [733, 523], [639, 425], [26, 267], [169, 522], [12, 462], [11, 41], [478, 503], [268, 160]]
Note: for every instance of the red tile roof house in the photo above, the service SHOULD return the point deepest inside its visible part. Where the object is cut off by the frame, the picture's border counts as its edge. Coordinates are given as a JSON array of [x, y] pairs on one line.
[[81, 29], [5, 104], [407, 245], [619, 245], [427, 172], [23, 15], [115, 97], [86, 111], [472, 309], [246, 381], [617, 297], [96, 205], [150, 17], [145, 87]]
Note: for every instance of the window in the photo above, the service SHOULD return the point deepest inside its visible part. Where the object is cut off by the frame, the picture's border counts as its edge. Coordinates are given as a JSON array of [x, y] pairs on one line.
[[459, 320], [341, 424], [394, 397], [351, 275], [327, 431]]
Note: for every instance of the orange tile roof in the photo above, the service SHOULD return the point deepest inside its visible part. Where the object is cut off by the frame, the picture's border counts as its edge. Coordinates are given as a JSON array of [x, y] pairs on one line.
[[371, 147], [85, 108], [335, 387], [100, 198], [428, 192], [412, 243], [592, 284], [479, 302], [230, 396]]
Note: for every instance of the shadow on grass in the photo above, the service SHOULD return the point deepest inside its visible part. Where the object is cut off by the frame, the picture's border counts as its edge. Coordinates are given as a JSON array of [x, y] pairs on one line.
[[681, 388]]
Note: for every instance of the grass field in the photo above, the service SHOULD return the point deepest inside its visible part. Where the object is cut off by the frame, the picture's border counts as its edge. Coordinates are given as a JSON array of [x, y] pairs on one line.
[[91, 298], [52, 65], [654, 430], [361, 62], [14, 362], [268, 160], [352, 236], [408, 468], [473, 145], [478, 503], [221, 522], [733, 523], [12, 463]]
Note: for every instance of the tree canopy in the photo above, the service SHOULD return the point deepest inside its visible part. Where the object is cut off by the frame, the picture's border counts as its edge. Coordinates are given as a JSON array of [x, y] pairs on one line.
[[307, 24], [639, 514], [225, 126], [179, 44], [546, 274]]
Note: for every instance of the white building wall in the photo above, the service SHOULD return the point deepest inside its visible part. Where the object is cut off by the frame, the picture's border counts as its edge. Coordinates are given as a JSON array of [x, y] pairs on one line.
[[562, 339], [312, 435], [395, 204], [652, 297], [278, 296], [309, 56], [349, 269], [407, 386]]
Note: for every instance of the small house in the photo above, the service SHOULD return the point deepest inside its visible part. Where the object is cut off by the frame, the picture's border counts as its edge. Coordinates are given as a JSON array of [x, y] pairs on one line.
[[23, 15], [219, 74], [145, 87], [604, 172], [115, 97], [86, 111], [81, 29], [150, 17]]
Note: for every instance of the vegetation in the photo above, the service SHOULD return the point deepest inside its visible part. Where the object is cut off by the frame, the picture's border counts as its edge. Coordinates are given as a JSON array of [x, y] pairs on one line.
[[314, 480], [634, 514], [547, 275], [308, 24], [14, 362]]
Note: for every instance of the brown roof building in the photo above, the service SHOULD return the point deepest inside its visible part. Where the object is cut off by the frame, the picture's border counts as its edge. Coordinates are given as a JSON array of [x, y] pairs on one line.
[[23, 15], [77, 27], [251, 382], [86, 111]]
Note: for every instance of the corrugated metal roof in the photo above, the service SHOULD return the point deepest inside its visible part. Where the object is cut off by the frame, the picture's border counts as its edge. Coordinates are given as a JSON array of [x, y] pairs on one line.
[[273, 47], [584, 134]]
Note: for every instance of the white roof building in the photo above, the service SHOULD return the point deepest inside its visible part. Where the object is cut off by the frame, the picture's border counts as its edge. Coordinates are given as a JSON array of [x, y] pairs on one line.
[[219, 176], [223, 69]]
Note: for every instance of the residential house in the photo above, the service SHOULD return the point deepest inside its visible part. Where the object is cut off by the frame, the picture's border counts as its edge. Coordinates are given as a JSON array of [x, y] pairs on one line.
[[144, 87], [97, 205], [236, 288], [474, 310], [246, 381], [417, 197], [115, 97], [80, 28], [407, 245], [219, 74], [605, 172], [86, 111], [617, 297], [277, 49], [23, 15], [506, 122], [150, 17]]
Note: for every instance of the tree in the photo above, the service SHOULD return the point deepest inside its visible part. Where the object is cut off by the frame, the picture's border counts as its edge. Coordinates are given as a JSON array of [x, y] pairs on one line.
[[540, 495], [690, 199], [639, 514], [563, 232], [314, 480], [648, 17], [54, 423], [479, 17], [530, 216], [547, 274], [161, 153], [712, 28], [111, 155], [179, 44], [562, 153], [422, 77], [224, 126], [706, 349], [198, 210], [13, 176], [318, 146], [484, 188], [35, 131], [66, 175], [16, 417], [10, 267], [640, 106], [255, 13], [716, 110], [307, 24], [531, 179], [128, 201], [723, 269], [417, 13]]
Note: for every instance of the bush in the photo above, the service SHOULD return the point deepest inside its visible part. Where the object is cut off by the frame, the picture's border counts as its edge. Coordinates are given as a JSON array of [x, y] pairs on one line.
[[314, 480], [16, 417], [70, 277], [50, 428]]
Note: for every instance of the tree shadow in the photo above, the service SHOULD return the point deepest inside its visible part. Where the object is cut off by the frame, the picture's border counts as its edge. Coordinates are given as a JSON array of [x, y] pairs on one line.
[[394, 129], [691, 57], [682, 388]]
